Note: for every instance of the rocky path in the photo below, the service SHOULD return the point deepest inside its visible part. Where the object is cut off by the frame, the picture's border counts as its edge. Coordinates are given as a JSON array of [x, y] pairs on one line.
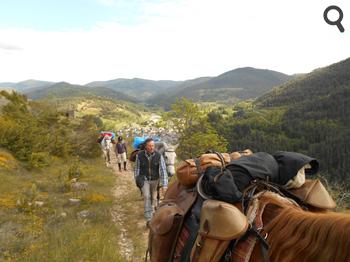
[[127, 213]]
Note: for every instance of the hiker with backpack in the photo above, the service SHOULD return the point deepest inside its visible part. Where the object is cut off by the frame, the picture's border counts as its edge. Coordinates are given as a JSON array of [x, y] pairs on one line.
[[120, 152], [150, 175]]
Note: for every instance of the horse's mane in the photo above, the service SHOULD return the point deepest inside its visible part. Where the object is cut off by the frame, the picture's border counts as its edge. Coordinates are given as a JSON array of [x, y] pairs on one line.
[[160, 146], [310, 236]]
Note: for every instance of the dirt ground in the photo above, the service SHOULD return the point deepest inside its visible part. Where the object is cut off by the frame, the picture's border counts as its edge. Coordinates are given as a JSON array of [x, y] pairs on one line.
[[127, 213]]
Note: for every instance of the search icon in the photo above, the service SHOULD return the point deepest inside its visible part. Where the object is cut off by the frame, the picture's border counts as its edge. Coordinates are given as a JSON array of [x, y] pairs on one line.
[[336, 22]]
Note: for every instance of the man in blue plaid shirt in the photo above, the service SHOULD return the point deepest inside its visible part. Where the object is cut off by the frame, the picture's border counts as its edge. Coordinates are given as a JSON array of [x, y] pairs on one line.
[[150, 168]]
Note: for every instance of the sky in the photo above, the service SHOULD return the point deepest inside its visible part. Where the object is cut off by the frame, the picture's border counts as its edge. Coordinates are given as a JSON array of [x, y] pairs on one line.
[[80, 41]]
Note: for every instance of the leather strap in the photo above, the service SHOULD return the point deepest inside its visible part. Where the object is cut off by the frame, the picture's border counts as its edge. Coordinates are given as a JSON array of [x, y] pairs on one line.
[[198, 165], [263, 243], [223, 164], [199, 245], [193, 227]]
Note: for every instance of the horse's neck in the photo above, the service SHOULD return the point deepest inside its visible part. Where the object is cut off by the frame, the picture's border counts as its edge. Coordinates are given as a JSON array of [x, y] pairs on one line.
[[106, 144], [296, 235], [161, 147]]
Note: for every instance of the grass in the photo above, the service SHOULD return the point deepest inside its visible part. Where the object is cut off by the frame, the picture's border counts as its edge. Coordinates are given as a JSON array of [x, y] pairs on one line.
[[55, 231]]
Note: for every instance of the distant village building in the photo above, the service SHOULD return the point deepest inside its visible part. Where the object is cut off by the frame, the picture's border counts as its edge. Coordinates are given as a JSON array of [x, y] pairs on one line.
[[3, 101], [71, 114]]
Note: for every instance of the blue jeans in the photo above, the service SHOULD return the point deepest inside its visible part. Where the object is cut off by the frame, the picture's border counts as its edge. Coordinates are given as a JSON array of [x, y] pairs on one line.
[[149, 192]]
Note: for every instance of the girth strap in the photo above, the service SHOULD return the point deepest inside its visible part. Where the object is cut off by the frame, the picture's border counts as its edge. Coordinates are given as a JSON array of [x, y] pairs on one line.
[[193, 226]]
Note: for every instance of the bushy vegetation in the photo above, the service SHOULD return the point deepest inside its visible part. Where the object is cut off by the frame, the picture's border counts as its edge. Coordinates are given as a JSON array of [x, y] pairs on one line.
[[111, 114], [44, 214], [35, 132], [196, 134]]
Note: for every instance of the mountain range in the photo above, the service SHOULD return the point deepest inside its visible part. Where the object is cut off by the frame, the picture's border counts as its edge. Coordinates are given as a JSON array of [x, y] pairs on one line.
[[234, 85], [241, 83], [25, 85]]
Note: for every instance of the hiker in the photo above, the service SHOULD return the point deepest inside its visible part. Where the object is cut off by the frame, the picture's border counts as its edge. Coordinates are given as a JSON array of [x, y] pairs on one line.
[[150, 175], [120, 152]]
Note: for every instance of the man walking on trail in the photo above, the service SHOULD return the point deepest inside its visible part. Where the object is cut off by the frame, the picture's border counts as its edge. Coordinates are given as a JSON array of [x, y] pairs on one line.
[[120, 152], [150, 174]]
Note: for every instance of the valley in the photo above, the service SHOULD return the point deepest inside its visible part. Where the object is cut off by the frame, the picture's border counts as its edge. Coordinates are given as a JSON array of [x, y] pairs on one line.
[[58, 199]]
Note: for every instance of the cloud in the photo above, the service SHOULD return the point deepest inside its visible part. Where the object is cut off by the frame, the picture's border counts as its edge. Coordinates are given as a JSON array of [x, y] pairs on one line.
[[181, 40], [9, 47]]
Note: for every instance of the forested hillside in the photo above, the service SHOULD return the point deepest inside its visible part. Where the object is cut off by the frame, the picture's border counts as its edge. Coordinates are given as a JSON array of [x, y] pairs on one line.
[[310, 114]]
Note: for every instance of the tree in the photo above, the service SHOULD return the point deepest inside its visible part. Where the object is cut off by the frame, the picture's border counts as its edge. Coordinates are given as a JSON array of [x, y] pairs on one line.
[[196, 135]]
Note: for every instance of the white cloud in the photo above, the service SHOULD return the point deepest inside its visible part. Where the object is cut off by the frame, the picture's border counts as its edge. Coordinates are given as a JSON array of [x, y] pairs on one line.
[[182, 40], [9, 47]]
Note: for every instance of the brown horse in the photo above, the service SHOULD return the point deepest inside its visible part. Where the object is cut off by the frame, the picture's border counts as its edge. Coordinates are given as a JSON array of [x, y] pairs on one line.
[[297, 235]]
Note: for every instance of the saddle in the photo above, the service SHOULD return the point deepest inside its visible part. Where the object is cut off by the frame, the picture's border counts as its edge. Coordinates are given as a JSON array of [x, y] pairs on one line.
[[220, 223], [181, 195]]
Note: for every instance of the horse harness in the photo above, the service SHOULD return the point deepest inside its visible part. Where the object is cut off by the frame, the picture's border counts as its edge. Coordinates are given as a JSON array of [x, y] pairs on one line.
[[241, 249]]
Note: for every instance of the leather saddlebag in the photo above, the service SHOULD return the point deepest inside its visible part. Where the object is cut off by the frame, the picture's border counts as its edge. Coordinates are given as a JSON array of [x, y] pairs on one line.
[[168, 219], [313, 193], [220, 223], [188, 171], [164, 228]]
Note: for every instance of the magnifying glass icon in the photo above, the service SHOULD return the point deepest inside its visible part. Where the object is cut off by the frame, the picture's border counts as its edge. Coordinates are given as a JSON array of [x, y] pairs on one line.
[[336, 22]]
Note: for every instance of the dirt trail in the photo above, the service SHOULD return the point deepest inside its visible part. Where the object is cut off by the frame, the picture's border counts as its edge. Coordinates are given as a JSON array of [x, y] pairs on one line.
[[127, 213]]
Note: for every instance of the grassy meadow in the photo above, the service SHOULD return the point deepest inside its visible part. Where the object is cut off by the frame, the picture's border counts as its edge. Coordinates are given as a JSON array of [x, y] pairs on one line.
[[39, 223]]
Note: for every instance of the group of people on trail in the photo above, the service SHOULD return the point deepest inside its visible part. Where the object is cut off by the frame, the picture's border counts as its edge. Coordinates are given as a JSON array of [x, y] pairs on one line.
[[150, 171], [106, 140]]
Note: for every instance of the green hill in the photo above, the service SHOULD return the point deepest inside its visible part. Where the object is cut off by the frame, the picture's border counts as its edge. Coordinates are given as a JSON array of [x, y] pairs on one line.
[[238, 84], [115, 109], [168, 96], [25, 85], [320, 83], [63, 90], [115, 114]]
